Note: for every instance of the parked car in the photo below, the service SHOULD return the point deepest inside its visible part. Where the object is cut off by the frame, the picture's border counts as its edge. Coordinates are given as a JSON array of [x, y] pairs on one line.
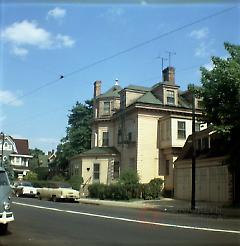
[[56, 191], [24, 188], [6, 215]]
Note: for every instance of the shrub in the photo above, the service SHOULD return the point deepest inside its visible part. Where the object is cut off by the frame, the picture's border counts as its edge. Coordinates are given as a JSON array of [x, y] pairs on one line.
[[31, 176], [76, 181], [129, 177], [153, 189], [96, 190], [58, 178]]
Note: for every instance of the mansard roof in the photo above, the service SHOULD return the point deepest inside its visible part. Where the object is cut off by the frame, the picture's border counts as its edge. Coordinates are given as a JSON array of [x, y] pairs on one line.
[[112, 92]]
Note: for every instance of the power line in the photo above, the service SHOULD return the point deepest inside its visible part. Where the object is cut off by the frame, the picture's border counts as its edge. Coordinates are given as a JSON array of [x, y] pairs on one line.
[[144, 43]]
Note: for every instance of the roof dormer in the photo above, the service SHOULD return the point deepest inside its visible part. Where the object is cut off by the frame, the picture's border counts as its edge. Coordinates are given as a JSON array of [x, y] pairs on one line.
[[167, 90]]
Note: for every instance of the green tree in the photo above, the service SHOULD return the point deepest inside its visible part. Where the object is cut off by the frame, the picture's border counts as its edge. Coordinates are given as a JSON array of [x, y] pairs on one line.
[[221, 100], [76, 182], [31, 176], [78, 136], [34, 162]]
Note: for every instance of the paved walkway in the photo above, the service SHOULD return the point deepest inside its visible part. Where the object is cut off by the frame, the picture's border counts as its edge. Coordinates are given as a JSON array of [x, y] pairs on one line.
[[170, 205]]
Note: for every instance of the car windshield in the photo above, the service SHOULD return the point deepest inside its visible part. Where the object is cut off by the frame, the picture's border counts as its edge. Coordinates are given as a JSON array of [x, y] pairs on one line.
[[26, 184], [3, 179], [64, 185]]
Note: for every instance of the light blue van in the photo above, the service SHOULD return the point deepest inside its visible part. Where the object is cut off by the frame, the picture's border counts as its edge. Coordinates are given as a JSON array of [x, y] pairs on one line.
[[6, 214]]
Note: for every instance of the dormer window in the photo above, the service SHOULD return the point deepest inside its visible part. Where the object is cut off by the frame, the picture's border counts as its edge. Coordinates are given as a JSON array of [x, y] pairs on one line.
[[106, 108], [170, 97]]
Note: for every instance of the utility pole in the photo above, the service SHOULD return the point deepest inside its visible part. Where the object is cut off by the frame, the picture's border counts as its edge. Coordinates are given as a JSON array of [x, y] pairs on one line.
[[193, 152], [170, 53], [3, 137]]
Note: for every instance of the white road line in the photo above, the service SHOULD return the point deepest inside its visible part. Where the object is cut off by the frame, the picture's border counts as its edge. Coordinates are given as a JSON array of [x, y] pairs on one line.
[[129, 220]]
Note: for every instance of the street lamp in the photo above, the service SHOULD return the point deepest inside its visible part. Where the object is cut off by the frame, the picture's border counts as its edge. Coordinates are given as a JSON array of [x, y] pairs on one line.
[[3, 138], [193, 197]]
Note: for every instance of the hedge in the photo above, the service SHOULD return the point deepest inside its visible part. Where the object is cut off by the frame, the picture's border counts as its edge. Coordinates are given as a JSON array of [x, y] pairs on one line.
[[119, 191]]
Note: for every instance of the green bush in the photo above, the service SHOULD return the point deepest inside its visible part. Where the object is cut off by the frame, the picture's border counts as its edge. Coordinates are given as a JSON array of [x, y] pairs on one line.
[[31, 176], [58, 178], [153, 189], [96, 190], [76, 181], [129, 177]]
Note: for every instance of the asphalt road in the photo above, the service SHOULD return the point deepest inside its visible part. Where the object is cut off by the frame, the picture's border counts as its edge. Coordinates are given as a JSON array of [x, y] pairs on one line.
[[47, 223]]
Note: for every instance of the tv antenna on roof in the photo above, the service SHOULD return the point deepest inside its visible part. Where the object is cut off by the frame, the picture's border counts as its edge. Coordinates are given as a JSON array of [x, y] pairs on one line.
[[170, 53], [162, 59]]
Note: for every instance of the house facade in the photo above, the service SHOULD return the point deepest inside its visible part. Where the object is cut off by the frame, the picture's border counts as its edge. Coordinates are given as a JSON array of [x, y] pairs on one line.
[[213, 179], [143, 128], [16, 152]]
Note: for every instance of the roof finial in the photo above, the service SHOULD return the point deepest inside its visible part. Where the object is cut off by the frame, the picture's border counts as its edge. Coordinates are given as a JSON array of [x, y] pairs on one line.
[[116, 81]]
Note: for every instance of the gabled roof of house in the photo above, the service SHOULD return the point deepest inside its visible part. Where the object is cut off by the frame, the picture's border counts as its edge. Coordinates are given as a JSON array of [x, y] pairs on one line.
[[100, 151], [112, 92], [149, 98], [22, 146]]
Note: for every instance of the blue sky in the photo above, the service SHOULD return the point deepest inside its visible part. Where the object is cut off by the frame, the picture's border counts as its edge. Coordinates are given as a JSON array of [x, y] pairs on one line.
[[40, 42]]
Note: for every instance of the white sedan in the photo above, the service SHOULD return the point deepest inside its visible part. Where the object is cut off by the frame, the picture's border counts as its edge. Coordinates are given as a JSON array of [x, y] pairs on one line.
[[25, 188]]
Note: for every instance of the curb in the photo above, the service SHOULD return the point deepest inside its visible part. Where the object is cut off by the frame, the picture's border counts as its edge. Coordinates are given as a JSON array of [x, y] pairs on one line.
[[211, 212]]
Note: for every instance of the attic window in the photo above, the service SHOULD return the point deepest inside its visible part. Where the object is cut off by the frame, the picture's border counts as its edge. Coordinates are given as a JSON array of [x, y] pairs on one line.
[[170, 97], [106, 108]]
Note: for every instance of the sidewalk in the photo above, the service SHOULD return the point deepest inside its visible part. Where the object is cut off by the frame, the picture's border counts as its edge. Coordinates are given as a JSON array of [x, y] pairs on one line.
[[170, 205]]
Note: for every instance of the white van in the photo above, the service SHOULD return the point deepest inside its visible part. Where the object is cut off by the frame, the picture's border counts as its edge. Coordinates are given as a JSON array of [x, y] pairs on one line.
[[6, 214]]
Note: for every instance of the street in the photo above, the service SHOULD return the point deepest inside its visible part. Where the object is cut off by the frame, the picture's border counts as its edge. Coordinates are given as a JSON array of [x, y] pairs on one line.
[[47, 223]]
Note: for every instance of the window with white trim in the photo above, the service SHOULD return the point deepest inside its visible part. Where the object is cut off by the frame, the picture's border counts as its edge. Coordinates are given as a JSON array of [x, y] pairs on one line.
[[181, 129], [170, 97], [96, 172]]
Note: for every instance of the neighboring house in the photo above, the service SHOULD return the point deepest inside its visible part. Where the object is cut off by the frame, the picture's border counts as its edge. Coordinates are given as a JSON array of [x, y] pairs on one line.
[[143, 128], [213, 179], [16, 152]]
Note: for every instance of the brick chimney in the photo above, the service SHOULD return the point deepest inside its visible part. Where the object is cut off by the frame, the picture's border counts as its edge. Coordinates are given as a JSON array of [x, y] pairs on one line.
[[169, 75], [97, 88]]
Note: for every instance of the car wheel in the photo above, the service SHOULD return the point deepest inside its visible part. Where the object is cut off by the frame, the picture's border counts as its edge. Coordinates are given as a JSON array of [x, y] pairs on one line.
[[3, 228], [54, 199], [39, 196], [17, 194]]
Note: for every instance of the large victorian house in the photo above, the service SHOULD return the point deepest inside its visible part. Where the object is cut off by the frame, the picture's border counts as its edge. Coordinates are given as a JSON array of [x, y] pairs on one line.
[[143, 128], [16, 153]]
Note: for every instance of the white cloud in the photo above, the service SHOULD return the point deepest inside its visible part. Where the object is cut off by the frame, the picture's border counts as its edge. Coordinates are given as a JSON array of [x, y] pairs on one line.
[[18, 51], [27, 33], [201, 50], [8, 98], [56, 13], [200, 33], [21, 35], [204, 49], [65, 40]]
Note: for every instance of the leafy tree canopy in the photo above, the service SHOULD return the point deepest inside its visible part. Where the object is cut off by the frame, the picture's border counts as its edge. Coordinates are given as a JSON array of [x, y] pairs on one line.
[[221, 99], [221, 91], [78, 135]]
